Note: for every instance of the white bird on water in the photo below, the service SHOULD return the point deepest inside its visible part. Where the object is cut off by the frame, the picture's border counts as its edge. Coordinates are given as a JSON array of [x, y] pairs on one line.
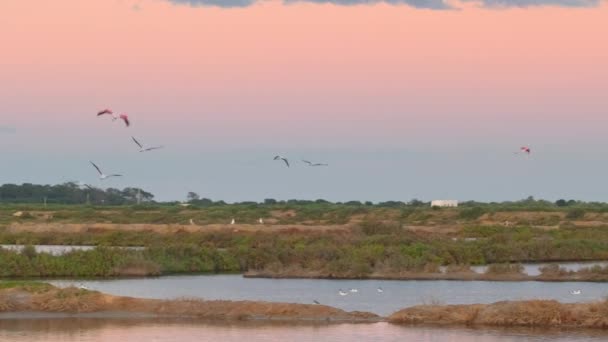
[[141, 147], [354, 290], [81, 286], [314, 164], [575, 292], [102, 175], [283, 159], [342, 293], [380, 290]]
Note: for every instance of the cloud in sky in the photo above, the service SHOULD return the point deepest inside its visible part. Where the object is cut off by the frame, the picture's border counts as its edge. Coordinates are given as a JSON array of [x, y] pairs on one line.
[[430, 4], [537, 3], [425, 4], [217, 3]]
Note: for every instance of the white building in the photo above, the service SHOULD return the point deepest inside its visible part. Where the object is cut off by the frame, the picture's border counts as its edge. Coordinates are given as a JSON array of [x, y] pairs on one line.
[[444, 203]]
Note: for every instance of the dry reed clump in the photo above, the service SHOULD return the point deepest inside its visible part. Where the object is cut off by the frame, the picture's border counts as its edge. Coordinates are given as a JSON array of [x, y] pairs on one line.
[[70, 299], [554, 270], [7, 302], [533, 313], [459, 268], [528, 313], [433, 314], [505, 269]]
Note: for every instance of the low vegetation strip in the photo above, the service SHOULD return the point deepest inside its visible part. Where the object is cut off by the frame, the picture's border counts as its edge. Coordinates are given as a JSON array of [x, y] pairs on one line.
[[534, 313], [33, 297], [372, 249]]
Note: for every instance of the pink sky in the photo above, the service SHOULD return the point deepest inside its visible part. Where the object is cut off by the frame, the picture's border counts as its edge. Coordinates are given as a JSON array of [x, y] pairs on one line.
[[302, 62], [303, 75]]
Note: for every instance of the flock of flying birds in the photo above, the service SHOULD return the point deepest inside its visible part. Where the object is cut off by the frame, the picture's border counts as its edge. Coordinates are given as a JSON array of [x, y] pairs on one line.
[[125, 119]]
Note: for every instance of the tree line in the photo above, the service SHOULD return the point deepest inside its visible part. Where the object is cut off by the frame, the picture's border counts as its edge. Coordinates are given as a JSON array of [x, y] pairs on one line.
[[71, 193]]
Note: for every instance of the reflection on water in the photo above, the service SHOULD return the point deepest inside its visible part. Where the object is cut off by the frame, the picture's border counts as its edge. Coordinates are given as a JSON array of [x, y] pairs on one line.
[[93, 330], [397, 294]]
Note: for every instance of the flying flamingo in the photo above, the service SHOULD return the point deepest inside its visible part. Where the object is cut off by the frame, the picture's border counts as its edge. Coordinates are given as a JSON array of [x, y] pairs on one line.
[[105, 111], [525, 150], [125, 118], [103, 176], [283, 159], [141, 147]]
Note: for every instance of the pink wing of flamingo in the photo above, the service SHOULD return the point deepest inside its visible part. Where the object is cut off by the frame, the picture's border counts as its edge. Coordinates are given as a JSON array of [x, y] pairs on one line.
[[125, 118], [105, 111]]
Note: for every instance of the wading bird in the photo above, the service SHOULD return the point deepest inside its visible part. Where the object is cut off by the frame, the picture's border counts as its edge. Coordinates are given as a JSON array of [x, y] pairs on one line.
[[141, 147], [102, 175], [314, 164], [283, 159], [316, 302]]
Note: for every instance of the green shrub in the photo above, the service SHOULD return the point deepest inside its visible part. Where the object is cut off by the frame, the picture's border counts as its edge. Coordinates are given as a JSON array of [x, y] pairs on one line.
[[575, 214], [471, 213]]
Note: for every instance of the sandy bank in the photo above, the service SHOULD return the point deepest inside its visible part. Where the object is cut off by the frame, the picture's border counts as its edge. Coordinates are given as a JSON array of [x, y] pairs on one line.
[[83, 303], [535, 313]]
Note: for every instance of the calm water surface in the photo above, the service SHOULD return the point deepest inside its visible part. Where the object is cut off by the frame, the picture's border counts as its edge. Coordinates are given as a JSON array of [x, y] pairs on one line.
[[97, 330], [396, 295]]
